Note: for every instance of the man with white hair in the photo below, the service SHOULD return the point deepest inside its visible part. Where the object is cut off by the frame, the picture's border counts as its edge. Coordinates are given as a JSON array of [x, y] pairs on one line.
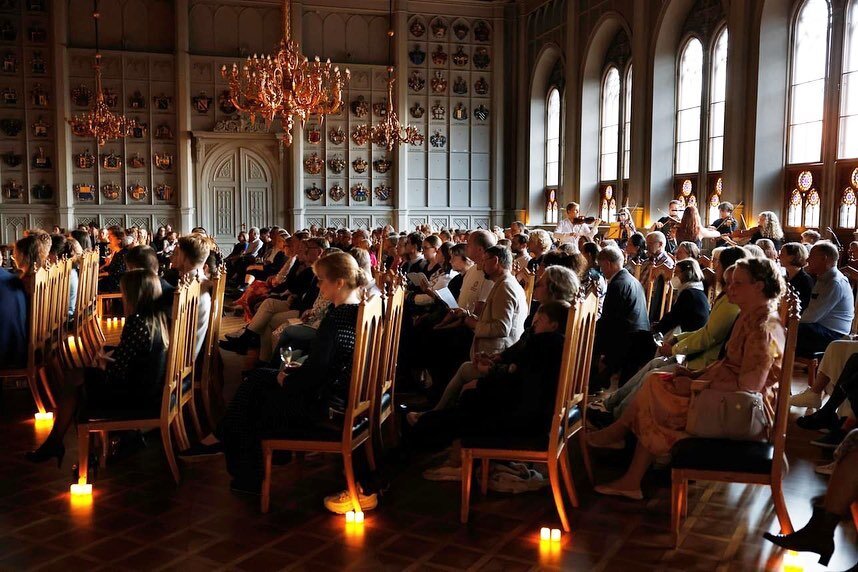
[[618, 349], [657, 258]]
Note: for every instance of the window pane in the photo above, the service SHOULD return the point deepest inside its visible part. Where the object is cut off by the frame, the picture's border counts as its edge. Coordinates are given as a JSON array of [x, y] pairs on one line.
[[847, 144], [807, 94], [608, 166], [850, 53], [552, 139], [610, 120], [716, 119], [718, 95], [805, 142], [849, 94], [847, 147], [609, 139], [691, 74], [551, 174], [627, 157], [627, 124], [687, 157], [688, 127], [719, 68], [716, 153]]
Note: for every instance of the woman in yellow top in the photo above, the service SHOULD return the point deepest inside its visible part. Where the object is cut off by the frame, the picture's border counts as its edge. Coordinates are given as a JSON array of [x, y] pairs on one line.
[[659, 412]]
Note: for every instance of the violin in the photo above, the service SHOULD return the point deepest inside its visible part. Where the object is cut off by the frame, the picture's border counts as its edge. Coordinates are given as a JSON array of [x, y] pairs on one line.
[[584, 220]]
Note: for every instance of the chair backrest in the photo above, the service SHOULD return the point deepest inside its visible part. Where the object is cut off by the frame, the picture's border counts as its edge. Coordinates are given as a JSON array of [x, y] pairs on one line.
[[709, 278], [217, 282], [39, 317], [574, 380], [529, 284], [659, 274], [390, 344], [368, 331], [87, 293], [790, 311], [180, 352], [635, 268]]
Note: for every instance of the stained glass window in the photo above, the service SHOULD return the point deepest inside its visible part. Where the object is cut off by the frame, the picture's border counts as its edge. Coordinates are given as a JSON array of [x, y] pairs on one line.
[[714, 200], [552, 139], [811, 209], [795, 208], [610, 121], [717, 102], [609, 204], [847, 218], [807, 82], [690, 96]]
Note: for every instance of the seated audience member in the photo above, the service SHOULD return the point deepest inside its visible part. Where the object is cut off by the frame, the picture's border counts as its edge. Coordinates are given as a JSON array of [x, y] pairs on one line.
[[364, 262], [538, 243], [71, 249], [635, 250], [431, 244], [829, 315], [826, 417], [754, 251], [793, 259], [510, 401], [237, 267], [130, 378], [238, 249], [810, 237], [818, 534], [768, 248], [521, 256], [305, 401], [189, 260], [699, 348], [159, 238], [685, 250], [691, 308], [274, 259], [657, 259], [442, 274], [274, 311], [29, 254], [144, 257], [623, 326], [116, 266], [725, 223], [658, 414], [413, 254], [82, 238], [258, 290], [518, 227]]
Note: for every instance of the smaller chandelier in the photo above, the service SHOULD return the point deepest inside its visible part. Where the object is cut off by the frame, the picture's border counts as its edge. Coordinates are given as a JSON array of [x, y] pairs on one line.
[[99, 122]]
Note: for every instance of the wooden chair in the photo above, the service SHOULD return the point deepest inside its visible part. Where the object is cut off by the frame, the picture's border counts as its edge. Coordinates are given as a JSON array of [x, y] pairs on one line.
[[666, 297], [38, 335], [569, 417], [357, 422], [529, 285], [635, 269], [210, 379], [86, 328], [181, 341], [751, 462], [58, 343], [384, 404]]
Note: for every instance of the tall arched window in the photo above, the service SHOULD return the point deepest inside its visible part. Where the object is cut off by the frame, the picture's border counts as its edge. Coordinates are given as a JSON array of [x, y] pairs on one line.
[[552, 152], [701, 101], [847, 147], [614, 126]]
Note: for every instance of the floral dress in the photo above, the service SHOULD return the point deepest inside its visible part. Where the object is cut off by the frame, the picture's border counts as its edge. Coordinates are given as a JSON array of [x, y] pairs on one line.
[[659, 413]]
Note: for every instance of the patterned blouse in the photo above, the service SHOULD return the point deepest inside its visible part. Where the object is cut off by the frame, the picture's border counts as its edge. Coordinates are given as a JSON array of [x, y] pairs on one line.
[[138, 361]]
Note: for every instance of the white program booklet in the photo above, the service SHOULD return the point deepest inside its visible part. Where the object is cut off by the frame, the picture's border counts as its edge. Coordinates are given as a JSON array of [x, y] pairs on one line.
[[418, 279], [447, 297]]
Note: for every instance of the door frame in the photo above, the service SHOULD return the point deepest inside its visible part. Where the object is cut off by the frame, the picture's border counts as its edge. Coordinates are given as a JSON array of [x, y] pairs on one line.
[[210, 148]]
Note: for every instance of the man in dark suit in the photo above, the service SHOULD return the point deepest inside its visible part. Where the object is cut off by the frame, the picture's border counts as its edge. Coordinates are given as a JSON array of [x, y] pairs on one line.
[[623, 341], [13, 321]]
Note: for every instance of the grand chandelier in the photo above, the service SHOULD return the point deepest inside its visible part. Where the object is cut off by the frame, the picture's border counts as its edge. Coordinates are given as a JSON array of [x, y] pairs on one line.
[[390, 133], [287, 85], [99, 122]]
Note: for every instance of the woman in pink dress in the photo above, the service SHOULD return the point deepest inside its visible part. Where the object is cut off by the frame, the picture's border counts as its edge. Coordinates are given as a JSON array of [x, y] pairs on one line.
[[752, 362]]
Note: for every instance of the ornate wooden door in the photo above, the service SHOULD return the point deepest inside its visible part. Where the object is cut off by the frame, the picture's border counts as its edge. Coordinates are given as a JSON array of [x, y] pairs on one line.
[[240, 184]]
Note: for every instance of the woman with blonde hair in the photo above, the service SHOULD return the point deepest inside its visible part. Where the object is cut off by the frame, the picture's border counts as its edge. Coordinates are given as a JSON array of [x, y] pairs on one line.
[[130, 377]]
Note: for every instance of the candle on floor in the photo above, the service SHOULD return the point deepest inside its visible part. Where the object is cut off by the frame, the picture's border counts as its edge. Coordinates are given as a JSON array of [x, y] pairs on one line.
[[356, 517], [44, 416], [791, 562], [81, 489], [544, 533], [555, 534]]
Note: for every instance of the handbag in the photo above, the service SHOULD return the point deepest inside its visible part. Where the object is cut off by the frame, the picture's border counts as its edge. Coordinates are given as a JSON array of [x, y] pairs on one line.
[[736, 415]]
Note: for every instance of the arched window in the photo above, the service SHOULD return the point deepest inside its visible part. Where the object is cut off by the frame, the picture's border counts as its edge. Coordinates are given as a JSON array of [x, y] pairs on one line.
[[627, 123], [615, 120], [701, 102], [610, 130], [689, 98], [807, 83], [552, 139]]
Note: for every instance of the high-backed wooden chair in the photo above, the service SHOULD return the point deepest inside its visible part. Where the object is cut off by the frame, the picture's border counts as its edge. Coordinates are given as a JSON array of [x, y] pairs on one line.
[[752, 462], [384, 404], [529, 285], [38, 335], [357, 422], [210, 376], [635, 269], [569, 417], [58, 344], [181, 341], [651, 286], [86, 326]]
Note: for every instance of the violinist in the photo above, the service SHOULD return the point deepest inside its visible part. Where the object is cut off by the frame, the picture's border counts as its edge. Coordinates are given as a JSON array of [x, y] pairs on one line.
[[622, 229], [725, 223], [768, 226], [575, 226], [667, 224]]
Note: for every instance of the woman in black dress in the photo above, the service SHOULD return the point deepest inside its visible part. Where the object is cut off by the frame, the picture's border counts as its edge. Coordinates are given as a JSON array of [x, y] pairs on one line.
[[793, 259]]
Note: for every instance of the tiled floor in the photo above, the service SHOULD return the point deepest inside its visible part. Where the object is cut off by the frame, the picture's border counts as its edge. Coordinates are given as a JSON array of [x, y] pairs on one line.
[[139, 520]]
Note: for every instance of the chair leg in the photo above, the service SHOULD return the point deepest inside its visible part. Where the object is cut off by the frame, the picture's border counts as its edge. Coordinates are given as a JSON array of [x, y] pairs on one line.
[[684, 498], [266, 480], [34, 390], [585, 453], [82, 453], [554, 478], [43, 377], [369, 449], [811, 372], [781, 508], [195, 419], [484, 477], [675, 507], [350, 481], [104, 437], [181, 432], [566, 470], [467, 475], [168, 449]]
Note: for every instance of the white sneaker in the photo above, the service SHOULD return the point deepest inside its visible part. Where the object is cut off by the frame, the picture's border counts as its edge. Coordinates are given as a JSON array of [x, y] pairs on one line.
[[807, 398], [826, 469], [445, 472], [341, 503]]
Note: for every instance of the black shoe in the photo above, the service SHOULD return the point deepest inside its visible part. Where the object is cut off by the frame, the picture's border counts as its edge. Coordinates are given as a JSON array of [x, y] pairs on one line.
[[817, 536], [830, 440], [200, 452], [47, 451], [238, 486], [819, 420]]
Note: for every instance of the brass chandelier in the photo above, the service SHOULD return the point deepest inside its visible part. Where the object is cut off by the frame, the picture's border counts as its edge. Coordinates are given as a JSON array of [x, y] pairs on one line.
[[390, 132], [287, 85], [99, 122]]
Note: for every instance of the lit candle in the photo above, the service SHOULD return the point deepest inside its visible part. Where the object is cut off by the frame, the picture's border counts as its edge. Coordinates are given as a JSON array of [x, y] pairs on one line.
[[555, 534], [44, 416], [359, 516], [350, 516], [791, 562], [545, 533], [123, 322], [81, 489]]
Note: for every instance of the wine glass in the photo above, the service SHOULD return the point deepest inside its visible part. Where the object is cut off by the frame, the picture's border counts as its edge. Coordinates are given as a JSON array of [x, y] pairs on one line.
[[286, 356]]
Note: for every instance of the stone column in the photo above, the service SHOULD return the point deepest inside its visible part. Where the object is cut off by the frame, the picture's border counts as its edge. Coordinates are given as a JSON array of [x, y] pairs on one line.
[[188, 217]]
